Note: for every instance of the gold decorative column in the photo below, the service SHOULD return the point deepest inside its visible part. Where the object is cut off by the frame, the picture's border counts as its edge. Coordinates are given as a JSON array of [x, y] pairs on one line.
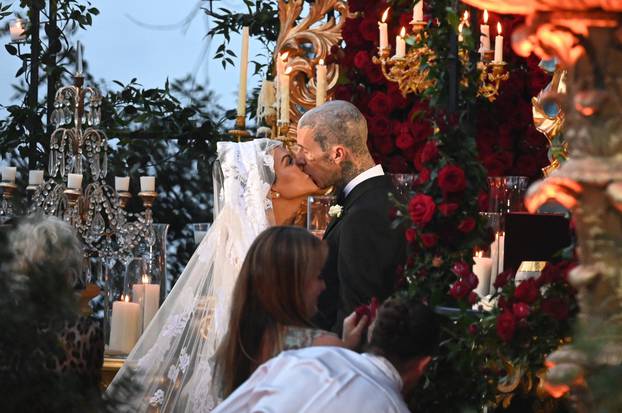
[[308, 40], [585, 36]]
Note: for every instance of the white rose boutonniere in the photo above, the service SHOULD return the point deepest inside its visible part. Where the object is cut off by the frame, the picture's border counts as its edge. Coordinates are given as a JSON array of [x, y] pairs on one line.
[[335, 211]]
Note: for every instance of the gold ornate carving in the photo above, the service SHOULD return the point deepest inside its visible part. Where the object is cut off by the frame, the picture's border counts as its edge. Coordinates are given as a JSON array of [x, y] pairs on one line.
[[308, 40]]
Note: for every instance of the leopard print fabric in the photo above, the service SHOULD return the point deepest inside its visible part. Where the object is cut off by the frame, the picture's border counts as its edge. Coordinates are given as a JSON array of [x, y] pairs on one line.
[[83, 342]]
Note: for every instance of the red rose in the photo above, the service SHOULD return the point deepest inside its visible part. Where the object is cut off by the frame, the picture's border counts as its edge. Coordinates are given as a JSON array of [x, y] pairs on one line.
[[423, 177], [473, 329], [471, 280], [369, 29], [374, 74], [357, 5], [429, 152], [482, 201], [351, 34], [506, 325], [448, 208], [420, 130], [411, 235], [397, 99], [459, 290], [421, 209], [521, 310], [527, 291], [380, 104], [429, 240], [397, 165], [343, 92], [461, 269], [383, 144], [466, 225], [451, 179], [404, 141], [361, 59], [555, 308], [379, 125], [473, 297], [503, 278], [494, 166]]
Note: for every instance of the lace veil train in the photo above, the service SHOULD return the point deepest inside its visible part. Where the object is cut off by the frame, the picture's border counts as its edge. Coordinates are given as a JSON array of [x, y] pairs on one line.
[[171, 361]]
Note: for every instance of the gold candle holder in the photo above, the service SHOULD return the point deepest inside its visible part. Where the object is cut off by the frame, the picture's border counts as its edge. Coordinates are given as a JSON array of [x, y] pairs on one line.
[[239, 132], [417, 25], [492, 75], [72, 196], [8, 189], [124, 198], [148, 198]]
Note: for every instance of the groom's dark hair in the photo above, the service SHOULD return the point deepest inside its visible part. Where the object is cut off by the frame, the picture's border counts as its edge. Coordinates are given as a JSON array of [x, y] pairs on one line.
[[337, 122]]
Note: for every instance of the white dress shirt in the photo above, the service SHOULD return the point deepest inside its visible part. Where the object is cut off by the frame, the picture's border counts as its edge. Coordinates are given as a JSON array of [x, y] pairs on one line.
[[320, 380], [370, 173]]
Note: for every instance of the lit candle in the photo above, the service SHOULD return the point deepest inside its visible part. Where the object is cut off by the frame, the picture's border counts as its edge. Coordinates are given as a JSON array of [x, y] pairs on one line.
[[484, 29], [79, 58], [460, 26], [494, 255], [148, 297], [124, 326], [285, 95], [320, 92], [74, 181], [281, 62], [243, 73], [418, 11], [465, 21], [8, 174], [482, 268], [384, 34], [17, 30], [35, 177], [122, 183], [400, 44], [499, 45], [147, 183]]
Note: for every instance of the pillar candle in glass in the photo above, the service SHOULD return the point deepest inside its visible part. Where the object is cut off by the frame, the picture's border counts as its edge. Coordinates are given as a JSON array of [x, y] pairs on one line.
[[498, 45], [320, 89], [147, 183], [8, 174], [285, 95], [35, 177], [124, 326], [400, 44], [243, 73], [484, 29], [384, 34], [147, 295], [482, 268], [418, 11], [74, 181], [122, 183]]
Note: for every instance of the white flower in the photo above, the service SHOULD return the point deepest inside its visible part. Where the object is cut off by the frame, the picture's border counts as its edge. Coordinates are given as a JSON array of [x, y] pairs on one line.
[[157, 399], [173, 372], [335, 211], [184, 360]]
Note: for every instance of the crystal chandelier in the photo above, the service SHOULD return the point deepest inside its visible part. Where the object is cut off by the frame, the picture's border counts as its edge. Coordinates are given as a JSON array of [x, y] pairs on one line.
[[78, 149]]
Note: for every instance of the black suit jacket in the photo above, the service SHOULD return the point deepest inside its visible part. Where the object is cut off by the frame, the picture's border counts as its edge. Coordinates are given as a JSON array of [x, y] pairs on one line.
[[365, 253]]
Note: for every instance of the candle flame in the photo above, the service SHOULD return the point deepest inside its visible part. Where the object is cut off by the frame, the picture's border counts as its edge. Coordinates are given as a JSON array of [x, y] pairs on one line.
[[145, 279], [466, 15], [460, 26], [498, 28], [403, 32], [284, 56], [125, 298], [485, 16], [479, 254], [321, 62], [385, 14], [288, 70]]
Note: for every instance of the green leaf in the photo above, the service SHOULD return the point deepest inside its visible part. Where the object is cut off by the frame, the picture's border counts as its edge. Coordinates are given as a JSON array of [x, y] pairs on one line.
[[11, 49]]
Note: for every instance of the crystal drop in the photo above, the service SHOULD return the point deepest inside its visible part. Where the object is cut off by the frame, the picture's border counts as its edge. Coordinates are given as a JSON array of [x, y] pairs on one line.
[[98, 225]]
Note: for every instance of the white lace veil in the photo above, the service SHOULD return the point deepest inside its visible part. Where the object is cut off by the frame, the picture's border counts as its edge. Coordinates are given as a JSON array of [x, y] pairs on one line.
[[171, 361]]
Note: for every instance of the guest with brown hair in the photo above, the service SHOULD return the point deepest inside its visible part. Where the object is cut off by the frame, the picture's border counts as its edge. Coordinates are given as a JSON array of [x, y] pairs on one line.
[[274, 299]]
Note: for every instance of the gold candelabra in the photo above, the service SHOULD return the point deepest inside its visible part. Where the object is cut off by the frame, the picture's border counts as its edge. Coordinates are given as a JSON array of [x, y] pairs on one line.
[[411, 71]]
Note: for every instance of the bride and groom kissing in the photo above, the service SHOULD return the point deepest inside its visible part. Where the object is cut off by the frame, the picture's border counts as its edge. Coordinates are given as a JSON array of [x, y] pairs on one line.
[[260, 184]]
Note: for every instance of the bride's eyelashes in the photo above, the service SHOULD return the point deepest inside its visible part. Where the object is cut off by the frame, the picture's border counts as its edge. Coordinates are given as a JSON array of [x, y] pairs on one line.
[[287, 159]]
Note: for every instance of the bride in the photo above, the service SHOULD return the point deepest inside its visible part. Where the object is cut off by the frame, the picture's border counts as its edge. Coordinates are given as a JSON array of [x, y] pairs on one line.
[[256, 185]]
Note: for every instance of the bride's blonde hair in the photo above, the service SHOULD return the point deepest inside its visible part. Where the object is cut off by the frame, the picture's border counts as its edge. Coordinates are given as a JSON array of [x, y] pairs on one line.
[[268, 295]]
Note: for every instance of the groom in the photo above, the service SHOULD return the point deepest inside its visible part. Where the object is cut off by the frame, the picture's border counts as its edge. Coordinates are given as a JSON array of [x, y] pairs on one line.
[[365, 252]]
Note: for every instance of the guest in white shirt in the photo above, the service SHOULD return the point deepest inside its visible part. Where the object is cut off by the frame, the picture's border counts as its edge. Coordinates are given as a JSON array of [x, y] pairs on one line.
[[332, 379]]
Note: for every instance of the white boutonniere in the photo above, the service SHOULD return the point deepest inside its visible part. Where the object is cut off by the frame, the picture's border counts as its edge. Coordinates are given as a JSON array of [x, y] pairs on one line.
[[335, 211]]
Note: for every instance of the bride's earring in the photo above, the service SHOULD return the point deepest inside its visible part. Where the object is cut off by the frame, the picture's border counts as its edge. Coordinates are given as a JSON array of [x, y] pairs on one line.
[[275, 194]]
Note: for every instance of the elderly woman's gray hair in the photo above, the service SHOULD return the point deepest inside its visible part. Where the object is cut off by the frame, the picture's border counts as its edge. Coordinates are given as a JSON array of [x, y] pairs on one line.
[[40, 242]]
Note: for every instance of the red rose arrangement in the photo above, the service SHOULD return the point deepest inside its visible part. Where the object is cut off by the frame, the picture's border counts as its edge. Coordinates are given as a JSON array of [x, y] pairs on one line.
[[370, 310]]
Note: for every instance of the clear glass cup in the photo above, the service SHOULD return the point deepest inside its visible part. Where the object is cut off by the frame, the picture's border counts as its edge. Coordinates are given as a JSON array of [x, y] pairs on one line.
[[200, 229], [507, 193], [317, 213], [403, 184]]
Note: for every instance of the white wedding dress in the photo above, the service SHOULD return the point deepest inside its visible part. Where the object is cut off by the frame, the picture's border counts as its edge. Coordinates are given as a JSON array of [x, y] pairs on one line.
[[171, 361]]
